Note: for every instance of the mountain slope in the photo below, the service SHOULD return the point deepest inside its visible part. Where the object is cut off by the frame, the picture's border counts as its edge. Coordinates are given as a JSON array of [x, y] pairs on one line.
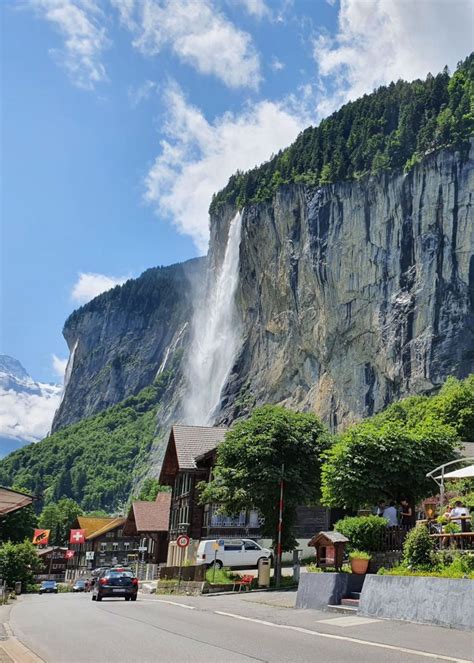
[[394, 127], [26, 407], [95, 461]]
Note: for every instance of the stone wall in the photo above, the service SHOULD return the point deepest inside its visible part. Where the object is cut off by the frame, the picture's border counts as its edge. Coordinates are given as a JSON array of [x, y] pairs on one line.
[[441, 601]]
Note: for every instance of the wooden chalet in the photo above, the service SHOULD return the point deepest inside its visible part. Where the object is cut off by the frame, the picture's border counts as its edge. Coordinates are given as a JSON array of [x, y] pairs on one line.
[[149, 523], [189, 458]]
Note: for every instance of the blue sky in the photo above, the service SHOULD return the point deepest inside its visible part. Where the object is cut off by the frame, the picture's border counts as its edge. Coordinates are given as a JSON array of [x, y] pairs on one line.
[[121, 117]]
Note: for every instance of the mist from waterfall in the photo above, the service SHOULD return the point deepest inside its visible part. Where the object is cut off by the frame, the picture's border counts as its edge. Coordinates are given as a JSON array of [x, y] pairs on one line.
[[216, 335]]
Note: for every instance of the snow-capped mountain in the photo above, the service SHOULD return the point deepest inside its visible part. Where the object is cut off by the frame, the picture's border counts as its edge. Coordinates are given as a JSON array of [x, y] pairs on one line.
[[27, 407]]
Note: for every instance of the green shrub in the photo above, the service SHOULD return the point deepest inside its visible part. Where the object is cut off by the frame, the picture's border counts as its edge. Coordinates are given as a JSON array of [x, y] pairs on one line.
[[363, 532], [418, 548], [359, 554], [451, 528]]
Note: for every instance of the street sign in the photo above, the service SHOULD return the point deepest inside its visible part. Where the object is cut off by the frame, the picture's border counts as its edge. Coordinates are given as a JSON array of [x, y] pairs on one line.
[[221, 542], [215, 545], [183, 541], [89, 555]]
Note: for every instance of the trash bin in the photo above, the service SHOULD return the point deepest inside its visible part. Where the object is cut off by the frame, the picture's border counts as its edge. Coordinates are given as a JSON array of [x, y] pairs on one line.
[[264, 567], [18, 587]]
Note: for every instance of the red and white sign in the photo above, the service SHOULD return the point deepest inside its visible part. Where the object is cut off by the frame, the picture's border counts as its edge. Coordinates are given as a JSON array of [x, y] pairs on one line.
[[183, 541], [77, 536], [69, 554]]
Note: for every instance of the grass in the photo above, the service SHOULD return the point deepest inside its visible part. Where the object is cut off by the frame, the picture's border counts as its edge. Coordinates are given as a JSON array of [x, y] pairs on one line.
[[221, 577]]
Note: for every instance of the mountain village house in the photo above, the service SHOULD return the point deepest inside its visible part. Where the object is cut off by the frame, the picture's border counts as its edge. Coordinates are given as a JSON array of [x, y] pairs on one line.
[[189, 458]]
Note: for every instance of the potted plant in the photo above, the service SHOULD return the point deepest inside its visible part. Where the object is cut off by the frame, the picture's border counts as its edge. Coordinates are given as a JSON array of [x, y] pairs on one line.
[[359, 561]]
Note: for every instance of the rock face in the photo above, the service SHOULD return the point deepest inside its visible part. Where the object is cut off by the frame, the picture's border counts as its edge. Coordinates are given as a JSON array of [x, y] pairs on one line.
[[121, 339], [355, 294], [351, 296]]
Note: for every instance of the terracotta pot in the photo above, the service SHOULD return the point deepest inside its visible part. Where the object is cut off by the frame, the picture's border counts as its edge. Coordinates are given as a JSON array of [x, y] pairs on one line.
[[359, 566]]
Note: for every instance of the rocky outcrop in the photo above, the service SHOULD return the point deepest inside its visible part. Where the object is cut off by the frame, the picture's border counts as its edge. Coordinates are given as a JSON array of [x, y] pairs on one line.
[[355, 294], [351, 296], [123, 338]]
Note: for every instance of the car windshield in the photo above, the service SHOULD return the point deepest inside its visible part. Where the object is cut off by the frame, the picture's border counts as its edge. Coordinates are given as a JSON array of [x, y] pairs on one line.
[[48, 583], [80, 582], [119, 574]]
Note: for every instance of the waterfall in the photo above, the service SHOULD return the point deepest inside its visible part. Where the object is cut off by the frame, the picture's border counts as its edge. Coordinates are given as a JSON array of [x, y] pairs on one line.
[[216, 335]]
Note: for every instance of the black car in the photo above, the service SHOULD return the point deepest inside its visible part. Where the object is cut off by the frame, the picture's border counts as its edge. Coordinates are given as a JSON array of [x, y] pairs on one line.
[[48, 587], [116, 583], [79, 586]]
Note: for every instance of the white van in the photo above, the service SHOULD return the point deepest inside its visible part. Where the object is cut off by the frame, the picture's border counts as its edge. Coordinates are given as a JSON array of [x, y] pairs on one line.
[[237, 553]]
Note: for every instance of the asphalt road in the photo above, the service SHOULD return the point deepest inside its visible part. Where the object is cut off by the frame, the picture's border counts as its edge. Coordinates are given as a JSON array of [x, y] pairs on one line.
[[70, 628]]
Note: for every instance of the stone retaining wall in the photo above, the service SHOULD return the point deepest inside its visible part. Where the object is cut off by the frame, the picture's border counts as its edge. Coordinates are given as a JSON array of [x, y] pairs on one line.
[[442, 601], [318, 590]]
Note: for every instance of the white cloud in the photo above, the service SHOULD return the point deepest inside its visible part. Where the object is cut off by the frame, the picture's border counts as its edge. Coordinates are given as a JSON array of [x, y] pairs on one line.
[[276, 64], [379, 41], [89, 285], [141, 93], [197, 157], [59, 366], [198, 33], [28, 416], [85, 39], [256, 8]]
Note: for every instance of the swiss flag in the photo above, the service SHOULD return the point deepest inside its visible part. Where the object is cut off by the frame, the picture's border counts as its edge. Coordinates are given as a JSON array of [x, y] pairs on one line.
[[69, 554], [77, 536]]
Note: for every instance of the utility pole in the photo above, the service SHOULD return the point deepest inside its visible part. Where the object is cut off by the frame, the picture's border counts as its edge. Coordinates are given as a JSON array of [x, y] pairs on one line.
[[280, 527]]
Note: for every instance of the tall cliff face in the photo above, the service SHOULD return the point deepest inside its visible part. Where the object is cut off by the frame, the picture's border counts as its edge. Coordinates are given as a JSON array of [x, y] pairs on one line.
[[123, 338], [351, 296], [355, 294]]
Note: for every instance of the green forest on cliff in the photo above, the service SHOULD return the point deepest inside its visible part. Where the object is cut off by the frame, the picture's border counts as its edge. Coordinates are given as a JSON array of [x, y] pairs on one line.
[[94, 461], [394, 127]]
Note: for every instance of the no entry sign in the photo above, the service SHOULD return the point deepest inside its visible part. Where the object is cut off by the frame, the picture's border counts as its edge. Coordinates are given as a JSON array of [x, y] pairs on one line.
[[183, 541]]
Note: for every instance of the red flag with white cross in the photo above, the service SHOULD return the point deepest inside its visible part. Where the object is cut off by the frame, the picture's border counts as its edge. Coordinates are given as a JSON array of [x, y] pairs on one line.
[[69, 554], [77, 536]]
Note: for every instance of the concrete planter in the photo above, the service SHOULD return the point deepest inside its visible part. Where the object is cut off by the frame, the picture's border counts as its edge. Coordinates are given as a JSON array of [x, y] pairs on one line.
[[318, 590], [441, 601]]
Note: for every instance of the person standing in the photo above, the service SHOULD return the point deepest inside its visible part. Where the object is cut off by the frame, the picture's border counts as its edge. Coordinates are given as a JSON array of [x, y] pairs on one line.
[[380, 508], [390, 515], [406, 514]]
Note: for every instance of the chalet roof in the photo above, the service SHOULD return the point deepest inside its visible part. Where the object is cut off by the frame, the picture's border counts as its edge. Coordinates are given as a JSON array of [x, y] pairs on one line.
[[12, 500], [150, 516], [96, 526], [193, 441], [333, 537]]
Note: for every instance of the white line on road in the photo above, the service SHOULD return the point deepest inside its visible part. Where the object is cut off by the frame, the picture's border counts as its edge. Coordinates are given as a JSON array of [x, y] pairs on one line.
[[368, 643], [180, 605]]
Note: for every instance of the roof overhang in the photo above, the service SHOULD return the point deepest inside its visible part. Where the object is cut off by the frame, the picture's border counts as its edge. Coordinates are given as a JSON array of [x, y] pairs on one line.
[[13, 500]]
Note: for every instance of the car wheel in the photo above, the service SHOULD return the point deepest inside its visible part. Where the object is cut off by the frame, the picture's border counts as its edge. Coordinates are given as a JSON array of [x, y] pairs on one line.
[[93, 597], [127, 598], [133, 598], [98, 598]]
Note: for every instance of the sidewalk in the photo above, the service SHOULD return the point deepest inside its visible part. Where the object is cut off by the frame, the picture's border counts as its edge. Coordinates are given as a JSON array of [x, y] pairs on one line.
[[11, 649]]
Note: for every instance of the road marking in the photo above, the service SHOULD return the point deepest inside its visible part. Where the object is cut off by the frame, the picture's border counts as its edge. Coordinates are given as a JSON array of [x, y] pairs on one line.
[[330, 636], [180, 605], [348, 621]]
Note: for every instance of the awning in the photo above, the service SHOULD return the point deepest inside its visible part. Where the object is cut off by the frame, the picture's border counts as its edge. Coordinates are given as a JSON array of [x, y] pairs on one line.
[[12, 500], [463, 473]]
